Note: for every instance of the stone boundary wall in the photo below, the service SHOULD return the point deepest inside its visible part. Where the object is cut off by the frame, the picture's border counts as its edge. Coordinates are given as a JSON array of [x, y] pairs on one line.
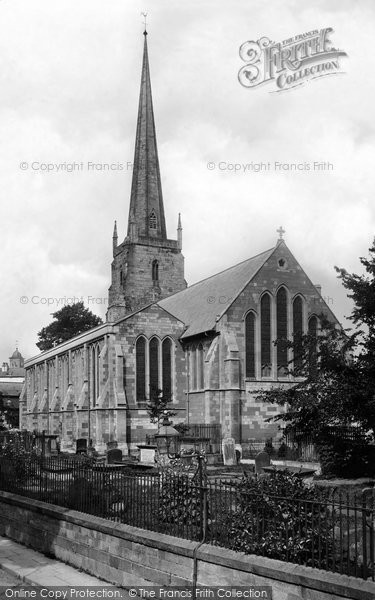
[[127, 556]]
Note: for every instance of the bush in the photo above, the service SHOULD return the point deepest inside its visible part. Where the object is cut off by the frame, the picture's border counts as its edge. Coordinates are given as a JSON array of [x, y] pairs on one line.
[[268, 447], [283, 450], [279, 517], [340, 458]]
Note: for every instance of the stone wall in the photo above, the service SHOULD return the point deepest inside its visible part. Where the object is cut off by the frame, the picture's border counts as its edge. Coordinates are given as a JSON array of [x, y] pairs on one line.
[[127, 556]]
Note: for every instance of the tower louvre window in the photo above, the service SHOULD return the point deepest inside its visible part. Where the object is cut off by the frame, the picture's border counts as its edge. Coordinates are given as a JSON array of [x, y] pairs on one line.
[[282, 332], [250, 345], [140, 360], [152, 220], [155, 271], [154, 366], [265, 335], [297, 332]]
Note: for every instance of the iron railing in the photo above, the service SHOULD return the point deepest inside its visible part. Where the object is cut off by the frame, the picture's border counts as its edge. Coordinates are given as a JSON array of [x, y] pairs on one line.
[[330, 530]]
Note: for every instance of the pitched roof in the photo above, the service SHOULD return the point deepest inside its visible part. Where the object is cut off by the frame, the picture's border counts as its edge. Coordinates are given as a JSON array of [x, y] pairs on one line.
[[200, 304]]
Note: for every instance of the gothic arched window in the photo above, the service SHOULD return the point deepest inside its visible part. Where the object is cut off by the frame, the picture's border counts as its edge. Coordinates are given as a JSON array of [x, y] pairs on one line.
[[154, 366], [94, 357], [265, 335], [152, 221], [166, 351], [297, 332], [155, 271], [250, 345], [192, 354], [282, 332], [313, 333], [140, 365], [200, 367]]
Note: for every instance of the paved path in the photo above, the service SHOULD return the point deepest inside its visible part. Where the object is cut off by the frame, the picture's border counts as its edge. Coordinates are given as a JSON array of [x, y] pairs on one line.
[[8, 579], [33, 568]]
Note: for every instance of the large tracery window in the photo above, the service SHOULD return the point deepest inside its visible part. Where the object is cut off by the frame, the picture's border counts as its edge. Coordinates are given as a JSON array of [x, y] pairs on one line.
[[154, 368], [279, 320], [250, 345], [282, 332], [265, 335]]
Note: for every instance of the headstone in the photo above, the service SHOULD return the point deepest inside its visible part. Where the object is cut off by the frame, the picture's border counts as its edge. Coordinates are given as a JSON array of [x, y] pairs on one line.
[[147, 453], [81, 445], [111, 445], [238, 451], [262, 460], [114, 456], [229, 454]]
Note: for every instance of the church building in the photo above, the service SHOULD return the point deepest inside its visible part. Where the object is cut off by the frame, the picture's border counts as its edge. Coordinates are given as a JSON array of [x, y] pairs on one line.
[[209, 346]]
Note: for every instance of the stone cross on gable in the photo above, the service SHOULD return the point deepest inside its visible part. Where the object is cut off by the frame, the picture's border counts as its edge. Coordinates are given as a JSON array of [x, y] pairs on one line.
[[281, 232]]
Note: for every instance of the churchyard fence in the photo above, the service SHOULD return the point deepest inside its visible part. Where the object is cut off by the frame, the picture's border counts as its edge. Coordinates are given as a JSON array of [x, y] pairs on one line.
[[335, 532]]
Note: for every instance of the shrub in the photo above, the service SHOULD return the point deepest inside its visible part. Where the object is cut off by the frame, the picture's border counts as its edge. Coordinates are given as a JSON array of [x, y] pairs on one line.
[[283, 450], [279, 517], [340, 458], [268, 447]]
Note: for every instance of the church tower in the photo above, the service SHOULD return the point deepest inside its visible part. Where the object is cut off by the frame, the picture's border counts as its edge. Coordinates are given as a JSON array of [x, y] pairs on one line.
[[146, 266]]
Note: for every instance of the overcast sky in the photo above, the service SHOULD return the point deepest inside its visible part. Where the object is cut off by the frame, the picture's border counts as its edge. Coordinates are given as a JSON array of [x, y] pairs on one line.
[[70, 75]]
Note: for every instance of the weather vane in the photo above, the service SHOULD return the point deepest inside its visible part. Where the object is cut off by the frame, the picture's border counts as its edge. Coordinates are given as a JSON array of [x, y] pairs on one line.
[[144, 14]]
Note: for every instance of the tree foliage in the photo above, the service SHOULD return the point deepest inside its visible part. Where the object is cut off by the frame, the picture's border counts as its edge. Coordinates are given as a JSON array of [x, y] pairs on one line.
[[335, 374], [280, 517], [157, 407], [69, 321]]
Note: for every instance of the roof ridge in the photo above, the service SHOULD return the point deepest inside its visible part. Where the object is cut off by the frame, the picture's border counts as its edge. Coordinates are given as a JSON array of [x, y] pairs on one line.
[[216, 274]]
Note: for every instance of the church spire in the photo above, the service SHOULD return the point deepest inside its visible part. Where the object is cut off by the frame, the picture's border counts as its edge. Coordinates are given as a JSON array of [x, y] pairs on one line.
[[114, 238], [179, 232], [146, 201]]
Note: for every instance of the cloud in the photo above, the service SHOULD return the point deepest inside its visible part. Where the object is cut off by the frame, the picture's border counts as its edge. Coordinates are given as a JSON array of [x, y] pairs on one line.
[[69, 93]]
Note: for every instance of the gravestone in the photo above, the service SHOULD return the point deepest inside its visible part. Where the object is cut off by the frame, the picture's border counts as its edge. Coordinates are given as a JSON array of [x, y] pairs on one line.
[[111, 445], [238, 451], [229, 454], [114, 456], [262, 460], [81, 446], [147, 453]]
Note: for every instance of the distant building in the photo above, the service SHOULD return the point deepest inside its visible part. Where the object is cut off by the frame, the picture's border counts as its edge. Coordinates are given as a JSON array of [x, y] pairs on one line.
[[12, 377], [209, 347]]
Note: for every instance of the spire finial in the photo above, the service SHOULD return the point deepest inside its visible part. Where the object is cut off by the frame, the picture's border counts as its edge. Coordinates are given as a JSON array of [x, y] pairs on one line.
[[144, 15], [281, 232]]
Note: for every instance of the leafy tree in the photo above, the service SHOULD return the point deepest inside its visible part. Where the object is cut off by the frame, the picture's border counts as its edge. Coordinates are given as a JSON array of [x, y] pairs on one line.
[[69, 321], [157, 406], [336, 385]]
